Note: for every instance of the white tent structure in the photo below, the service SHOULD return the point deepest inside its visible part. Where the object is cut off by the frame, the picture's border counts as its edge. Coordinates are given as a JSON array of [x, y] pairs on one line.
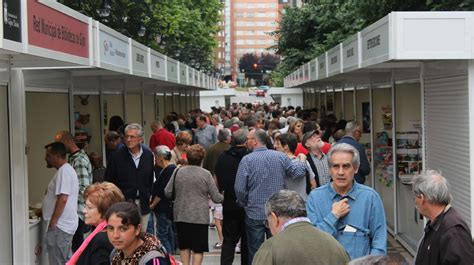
[[409, 78]]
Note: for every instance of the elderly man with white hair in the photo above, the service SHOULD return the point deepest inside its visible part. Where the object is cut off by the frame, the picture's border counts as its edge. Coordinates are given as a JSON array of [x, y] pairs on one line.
[[295, 240], [351, 212], [131, 169], [447, 238]]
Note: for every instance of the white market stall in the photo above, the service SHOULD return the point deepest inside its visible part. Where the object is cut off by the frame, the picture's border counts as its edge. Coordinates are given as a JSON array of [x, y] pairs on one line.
[[58, 65], [409, 78]]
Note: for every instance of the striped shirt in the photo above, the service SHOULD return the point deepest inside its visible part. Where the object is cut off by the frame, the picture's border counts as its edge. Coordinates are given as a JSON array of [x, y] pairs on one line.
[[82, 165], [260, 175]]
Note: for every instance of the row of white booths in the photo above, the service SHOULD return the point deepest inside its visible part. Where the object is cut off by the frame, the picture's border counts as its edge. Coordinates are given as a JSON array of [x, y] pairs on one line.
[[61, 70], [409, 79]]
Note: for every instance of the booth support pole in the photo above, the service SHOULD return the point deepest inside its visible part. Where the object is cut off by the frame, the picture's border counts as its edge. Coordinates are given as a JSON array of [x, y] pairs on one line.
[[325, 101], [142, 101], [372, 132], [124, 97], [72, 130], [319, 102], [333, 100], [343, 106], [102, 118], [18, 169], [470, 75], [394, 152], [423, 131], [155, 102], [354, 103], [173, 103]]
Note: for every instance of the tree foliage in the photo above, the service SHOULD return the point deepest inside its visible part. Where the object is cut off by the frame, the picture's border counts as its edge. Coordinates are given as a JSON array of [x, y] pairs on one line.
[[256, 67], [305, 33], [186, 29]]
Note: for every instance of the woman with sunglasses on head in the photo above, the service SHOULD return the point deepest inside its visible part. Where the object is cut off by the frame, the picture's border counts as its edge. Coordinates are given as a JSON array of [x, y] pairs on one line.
[[96, 247], [131, 245]]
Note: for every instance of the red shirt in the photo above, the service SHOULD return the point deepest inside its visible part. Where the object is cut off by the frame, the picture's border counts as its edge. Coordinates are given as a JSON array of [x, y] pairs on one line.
[[301, 150], [162, 137]]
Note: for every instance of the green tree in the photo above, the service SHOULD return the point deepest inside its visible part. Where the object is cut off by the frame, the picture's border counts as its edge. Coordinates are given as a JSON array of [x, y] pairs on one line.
[[184, 30]]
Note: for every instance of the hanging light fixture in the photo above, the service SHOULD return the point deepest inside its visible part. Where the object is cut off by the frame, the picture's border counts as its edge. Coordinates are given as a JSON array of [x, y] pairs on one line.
[[104, 10]]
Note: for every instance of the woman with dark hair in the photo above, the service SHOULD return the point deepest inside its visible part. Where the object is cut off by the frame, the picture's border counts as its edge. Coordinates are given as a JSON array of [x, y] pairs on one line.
[[96, 247], [131, 246], [192, 186], [162, 206]]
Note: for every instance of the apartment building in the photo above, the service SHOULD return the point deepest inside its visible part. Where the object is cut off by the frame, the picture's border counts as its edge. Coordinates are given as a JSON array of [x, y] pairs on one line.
[[245, 28]]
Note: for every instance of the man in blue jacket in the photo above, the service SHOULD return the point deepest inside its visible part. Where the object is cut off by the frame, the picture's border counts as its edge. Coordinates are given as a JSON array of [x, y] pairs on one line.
[[351, 212], [352, 137], [131, 169]]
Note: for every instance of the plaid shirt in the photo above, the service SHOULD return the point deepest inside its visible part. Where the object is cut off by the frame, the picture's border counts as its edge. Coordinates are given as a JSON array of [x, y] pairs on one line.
[[82, 165], [260, 175], [322, 166]]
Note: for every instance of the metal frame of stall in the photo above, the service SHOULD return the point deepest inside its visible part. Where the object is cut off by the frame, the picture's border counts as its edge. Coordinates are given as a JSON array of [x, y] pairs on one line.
[[48, 47], [434, 49]]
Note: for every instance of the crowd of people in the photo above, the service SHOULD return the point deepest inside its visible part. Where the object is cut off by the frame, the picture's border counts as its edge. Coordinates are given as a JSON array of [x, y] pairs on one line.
[[285, 187]]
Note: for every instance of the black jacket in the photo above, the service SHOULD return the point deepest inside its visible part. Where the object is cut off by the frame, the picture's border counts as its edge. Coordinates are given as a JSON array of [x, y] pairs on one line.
[[226, 170], [121, 171], [447, 240], [97, 252]]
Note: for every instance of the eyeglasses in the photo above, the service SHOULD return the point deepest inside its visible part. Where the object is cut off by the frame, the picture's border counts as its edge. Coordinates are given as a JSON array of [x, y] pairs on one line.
[[265, 222], [88, 208], [131, 137]]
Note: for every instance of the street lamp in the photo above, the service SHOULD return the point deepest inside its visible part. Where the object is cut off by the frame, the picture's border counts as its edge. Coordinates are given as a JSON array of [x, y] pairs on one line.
[[142, 29], [104, 10]]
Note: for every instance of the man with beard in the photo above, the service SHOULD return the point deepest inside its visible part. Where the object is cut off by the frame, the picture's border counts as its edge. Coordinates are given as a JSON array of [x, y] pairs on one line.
[[60, 204]]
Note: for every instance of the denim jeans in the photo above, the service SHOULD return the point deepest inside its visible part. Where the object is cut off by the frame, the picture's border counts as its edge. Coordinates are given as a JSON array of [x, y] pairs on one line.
[[164, 228], [150, 228], [256, 231]]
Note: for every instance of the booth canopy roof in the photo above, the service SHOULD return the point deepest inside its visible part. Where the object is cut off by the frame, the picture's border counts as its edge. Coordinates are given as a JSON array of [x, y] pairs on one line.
[[58, 37], [396, 44]]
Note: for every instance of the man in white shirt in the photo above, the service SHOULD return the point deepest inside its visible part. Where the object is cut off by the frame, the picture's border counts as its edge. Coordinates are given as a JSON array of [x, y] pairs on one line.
[[60, 204]]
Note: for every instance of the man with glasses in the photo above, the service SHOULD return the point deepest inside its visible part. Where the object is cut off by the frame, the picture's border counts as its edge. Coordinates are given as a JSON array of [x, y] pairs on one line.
[[286, 219], [447, 238], [351, 212], [261, 174], [352, 137], [131, 169]]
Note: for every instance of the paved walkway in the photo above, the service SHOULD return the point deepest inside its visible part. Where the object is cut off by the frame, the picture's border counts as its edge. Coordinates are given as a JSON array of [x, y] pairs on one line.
[[213, 257]]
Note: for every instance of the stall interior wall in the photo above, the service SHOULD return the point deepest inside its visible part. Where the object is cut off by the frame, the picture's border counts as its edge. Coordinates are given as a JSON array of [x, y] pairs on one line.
[[408, 122], [88, 120], [447, 129], [113, 106], [5, 191], [134, 114], [362, 99], [149, 114], [46, 114]]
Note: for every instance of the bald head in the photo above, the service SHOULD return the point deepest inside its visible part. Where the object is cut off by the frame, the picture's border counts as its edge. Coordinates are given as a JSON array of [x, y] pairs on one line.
[[67, 139]]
